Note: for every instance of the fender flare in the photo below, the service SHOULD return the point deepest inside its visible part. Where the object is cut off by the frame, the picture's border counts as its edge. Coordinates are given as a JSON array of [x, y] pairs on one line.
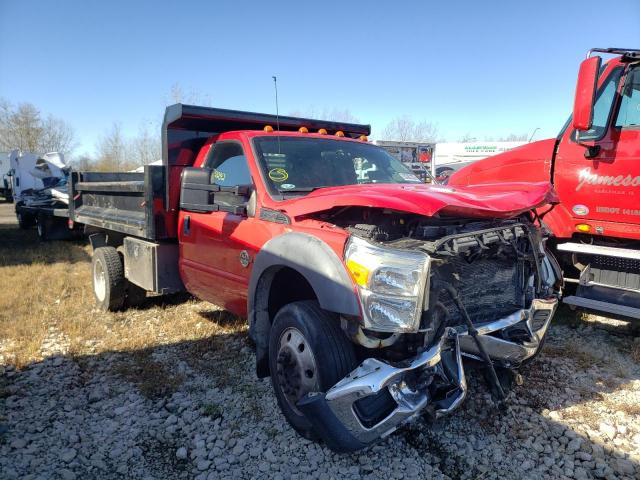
[[317, 263]]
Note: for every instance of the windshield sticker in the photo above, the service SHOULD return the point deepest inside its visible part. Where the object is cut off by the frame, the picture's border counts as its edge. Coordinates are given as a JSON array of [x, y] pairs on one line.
[[278, 175], [287, 186], [219, 176], [409, 177]]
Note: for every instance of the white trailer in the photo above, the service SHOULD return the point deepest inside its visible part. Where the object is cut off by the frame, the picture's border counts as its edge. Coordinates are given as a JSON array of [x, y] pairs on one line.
[[5, 179]]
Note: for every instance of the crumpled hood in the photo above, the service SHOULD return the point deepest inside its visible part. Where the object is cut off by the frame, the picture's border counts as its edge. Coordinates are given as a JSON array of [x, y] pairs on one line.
[[495, 201]]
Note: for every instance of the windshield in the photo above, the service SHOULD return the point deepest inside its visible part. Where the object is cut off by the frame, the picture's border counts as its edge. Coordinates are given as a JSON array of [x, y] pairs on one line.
[[298, 165]]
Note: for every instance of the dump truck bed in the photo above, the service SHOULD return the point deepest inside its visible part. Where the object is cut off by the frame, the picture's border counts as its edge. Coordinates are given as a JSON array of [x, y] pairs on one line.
[[131, 203]]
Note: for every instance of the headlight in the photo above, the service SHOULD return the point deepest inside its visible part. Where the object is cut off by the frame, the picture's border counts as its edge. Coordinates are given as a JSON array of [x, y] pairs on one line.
[[391, 285]]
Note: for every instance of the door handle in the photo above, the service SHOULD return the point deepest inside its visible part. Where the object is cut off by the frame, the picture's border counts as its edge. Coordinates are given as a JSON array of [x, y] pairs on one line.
[[186, 225]]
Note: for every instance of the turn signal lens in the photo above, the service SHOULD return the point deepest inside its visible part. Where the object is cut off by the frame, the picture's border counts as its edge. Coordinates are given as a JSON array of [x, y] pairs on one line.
[[583, 227], [268, 128], [322, 131], [364, 138], [339, 133], [303, 130], [360, 273]]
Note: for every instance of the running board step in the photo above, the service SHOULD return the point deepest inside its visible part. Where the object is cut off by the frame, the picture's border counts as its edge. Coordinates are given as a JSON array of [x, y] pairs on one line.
[[603, 306]]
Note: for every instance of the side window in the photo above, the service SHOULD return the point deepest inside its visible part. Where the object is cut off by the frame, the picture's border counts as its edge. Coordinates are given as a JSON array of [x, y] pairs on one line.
[[602, 107], [229, 165], [230, 169], [629, 113]]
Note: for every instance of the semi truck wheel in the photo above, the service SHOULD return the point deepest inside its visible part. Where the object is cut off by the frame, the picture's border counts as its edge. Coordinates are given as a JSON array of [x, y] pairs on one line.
[[307, 353], [41, 228], [25, 221], [109, 284]]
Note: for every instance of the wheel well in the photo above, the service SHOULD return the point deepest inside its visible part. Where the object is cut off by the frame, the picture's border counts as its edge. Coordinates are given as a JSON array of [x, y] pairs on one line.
[[276, 287], [287, 286]]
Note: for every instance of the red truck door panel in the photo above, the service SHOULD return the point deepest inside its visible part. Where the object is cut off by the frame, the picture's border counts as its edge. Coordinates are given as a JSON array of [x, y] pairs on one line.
[[608, 184], [213, 259]]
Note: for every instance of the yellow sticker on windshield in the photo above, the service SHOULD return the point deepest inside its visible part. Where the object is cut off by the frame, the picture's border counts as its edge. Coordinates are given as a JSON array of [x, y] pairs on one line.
[[278, 175]]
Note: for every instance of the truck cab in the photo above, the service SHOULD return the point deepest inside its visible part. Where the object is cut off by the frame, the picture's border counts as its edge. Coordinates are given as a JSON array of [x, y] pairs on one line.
[[594, 165]]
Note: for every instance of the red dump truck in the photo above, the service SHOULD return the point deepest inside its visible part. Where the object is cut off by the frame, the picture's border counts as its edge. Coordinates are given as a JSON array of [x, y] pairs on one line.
[[364, 288], [594, 165]]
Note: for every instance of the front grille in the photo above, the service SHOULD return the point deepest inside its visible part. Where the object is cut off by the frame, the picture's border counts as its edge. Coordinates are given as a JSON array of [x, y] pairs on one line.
[[614, 271], [487, 287]]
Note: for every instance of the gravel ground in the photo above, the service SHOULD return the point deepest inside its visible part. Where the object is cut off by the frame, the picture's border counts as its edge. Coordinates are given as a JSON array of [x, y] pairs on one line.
[[196, 410]]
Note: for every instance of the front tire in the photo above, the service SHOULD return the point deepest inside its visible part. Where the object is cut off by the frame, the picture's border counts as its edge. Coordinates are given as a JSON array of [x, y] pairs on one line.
[[109, 284], [307, 353]]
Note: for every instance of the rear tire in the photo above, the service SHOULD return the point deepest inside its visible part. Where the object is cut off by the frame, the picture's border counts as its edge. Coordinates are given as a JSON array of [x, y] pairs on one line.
[[307, 352], [109, 284]]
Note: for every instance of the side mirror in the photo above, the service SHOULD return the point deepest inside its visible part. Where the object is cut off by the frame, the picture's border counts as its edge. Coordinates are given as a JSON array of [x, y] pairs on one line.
[[586, 93], [196, 191]]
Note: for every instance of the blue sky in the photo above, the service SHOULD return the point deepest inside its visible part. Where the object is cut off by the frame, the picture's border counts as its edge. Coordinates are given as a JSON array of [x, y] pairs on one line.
[[487, 68]]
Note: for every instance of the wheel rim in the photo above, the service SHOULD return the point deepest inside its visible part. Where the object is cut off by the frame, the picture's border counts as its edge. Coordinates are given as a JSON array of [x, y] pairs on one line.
[[40, 230], [99, 281], [296, 367]]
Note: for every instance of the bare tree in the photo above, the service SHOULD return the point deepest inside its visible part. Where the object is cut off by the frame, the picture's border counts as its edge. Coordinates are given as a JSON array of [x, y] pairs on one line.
[[330, 114], [57, 136], [467, 137], [146, 147], [112, 151], [405, 129], [193, 97], [23, 127], [512, 137]]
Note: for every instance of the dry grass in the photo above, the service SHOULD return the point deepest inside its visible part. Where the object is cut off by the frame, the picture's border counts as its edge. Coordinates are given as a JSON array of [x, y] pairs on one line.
[[47, 286]]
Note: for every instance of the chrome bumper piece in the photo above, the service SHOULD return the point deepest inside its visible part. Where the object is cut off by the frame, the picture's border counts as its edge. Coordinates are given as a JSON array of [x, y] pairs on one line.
[[336, 417], [514, 339]]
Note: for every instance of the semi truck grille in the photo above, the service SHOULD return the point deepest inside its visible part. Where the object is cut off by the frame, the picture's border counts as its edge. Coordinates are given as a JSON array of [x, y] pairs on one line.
[[614, 272]]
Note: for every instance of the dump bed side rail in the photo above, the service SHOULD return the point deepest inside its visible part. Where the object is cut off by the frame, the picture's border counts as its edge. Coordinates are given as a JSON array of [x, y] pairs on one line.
[[127, 202]]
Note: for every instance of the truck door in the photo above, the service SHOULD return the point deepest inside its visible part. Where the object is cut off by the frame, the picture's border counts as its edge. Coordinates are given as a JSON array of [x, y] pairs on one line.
[[605, 187], [211, 254]]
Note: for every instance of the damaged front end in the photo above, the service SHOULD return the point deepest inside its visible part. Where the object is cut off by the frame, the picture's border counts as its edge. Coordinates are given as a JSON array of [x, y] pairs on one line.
[[485, 290]]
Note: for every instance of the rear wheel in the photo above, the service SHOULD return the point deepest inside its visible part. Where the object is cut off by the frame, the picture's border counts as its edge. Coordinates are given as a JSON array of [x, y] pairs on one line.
[[307, 353], [109, 284]]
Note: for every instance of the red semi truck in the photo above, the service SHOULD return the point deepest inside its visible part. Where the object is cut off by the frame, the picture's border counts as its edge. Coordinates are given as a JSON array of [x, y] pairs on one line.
[[594, 165], [363, 289]]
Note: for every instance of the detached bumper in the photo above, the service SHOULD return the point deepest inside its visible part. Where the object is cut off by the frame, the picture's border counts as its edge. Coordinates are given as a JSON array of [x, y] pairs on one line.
[[512, 340], [433, 381], [407, 389]]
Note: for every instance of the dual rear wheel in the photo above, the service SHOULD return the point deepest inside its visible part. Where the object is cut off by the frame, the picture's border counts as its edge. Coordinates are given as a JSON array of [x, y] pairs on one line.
[[110, 287]]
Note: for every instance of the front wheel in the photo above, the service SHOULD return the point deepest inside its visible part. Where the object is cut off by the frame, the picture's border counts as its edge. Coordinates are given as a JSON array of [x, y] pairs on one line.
[[307, 353]]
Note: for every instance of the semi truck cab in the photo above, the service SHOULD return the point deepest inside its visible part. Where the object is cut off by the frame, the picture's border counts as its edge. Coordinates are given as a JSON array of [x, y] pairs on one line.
[[594, 165]]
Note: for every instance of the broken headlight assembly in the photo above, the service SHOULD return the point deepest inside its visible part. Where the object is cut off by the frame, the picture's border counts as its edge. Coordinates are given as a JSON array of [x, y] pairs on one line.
[[391, 285]]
